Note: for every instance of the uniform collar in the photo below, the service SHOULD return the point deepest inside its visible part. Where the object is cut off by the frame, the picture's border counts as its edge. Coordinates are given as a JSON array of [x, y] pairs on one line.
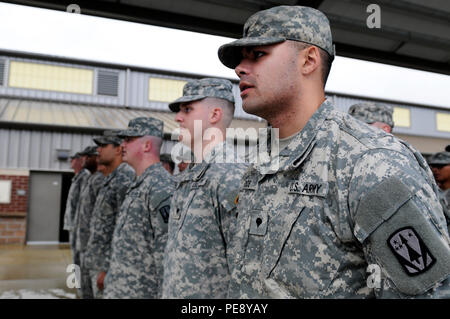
[[152, 169], [217, 155], [114, 173], [299, 147], [83, 172]]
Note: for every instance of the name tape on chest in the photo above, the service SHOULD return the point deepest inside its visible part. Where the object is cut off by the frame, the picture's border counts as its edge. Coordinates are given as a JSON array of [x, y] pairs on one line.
[[308, 188]]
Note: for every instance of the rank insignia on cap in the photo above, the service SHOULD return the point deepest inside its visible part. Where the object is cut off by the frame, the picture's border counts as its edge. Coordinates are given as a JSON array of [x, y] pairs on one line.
[[410, 251]]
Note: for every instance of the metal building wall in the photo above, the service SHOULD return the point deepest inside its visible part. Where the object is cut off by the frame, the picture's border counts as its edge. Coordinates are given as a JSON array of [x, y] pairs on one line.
[[423, 119], [138, 94], [132, 91], [37, 149], [5, 90]]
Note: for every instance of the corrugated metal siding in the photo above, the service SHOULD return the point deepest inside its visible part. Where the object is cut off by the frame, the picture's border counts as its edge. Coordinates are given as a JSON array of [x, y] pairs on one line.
[[35, 149], [2, 71], [30, 149]]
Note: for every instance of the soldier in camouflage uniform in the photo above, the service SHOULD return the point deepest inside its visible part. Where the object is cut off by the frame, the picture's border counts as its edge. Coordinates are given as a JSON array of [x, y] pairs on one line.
[[140, 236], [375, 114], [340, 196], [440, 166], [79, 181], [84, 214], [203, 206], [119, 176]]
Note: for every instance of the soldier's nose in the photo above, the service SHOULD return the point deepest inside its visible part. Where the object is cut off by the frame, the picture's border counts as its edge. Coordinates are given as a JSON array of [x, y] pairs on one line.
[[241, 69]]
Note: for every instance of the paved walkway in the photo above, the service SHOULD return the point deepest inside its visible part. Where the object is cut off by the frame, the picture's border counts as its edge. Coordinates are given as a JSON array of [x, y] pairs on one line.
[[35, 272]]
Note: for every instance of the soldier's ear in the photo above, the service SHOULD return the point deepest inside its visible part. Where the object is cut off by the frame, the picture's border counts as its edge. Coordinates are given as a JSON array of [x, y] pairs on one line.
[[118, 150], [148, 145], [310, 58], [215, 115]]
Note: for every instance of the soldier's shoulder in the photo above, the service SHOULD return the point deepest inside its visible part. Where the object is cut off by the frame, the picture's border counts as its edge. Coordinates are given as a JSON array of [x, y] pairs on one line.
[[126, 170], [160, 178], [233, 169], [125, 175], [97, 178], [224, 175], [357, 136]]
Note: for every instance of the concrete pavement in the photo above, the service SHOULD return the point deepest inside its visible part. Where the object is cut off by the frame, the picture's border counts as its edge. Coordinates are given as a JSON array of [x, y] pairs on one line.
[[35, 272]]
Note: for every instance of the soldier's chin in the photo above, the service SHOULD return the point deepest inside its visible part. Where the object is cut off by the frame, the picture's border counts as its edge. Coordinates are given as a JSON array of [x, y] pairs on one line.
[[250, 107]]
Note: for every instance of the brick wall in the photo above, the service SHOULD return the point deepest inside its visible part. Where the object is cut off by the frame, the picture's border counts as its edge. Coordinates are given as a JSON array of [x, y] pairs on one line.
[[13, 215], [12, 230]]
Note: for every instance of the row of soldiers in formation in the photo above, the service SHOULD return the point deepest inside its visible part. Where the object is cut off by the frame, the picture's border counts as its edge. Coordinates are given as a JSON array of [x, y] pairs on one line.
[[343, 198]]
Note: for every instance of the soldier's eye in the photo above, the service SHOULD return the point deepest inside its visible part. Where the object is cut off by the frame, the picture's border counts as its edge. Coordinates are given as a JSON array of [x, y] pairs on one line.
[[258, 54]]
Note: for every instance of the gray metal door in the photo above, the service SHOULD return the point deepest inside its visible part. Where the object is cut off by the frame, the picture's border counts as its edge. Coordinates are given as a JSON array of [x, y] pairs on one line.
[[44, 207]]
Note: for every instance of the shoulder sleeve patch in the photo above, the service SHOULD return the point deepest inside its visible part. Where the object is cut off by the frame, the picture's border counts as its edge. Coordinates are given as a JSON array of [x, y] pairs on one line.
[[408, 246], [410, 251]]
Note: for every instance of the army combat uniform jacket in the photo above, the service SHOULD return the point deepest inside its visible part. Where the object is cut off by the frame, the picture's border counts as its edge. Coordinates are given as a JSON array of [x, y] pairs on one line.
[[104, 215], [345, 199], [202, 209], [444, 199], [82, 222], [78, 182], [140, 236], [86, 206]]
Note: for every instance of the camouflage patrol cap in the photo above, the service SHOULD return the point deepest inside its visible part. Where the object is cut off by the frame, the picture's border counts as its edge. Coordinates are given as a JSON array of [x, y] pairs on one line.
[[199, 89], [371, 112], [109, 137], [76, 155], [440, 158], [89, 151], [141, 126], [277, 25]]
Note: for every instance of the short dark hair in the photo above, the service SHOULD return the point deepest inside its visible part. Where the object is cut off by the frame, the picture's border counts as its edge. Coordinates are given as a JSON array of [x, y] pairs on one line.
[[326, 59], [171, 164]]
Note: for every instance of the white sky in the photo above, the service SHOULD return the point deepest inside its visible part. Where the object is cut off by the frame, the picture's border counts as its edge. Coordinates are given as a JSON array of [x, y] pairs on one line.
[[92, 38]]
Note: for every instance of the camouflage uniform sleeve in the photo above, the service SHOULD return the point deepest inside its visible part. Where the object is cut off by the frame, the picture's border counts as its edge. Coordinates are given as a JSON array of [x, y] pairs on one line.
[[87, 202], [227, 192], [399, 223], [122, 183], [73, 200], [444, 200], [69, 208], [447, 212], [103, 228], [159, 207], [85, 179]]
